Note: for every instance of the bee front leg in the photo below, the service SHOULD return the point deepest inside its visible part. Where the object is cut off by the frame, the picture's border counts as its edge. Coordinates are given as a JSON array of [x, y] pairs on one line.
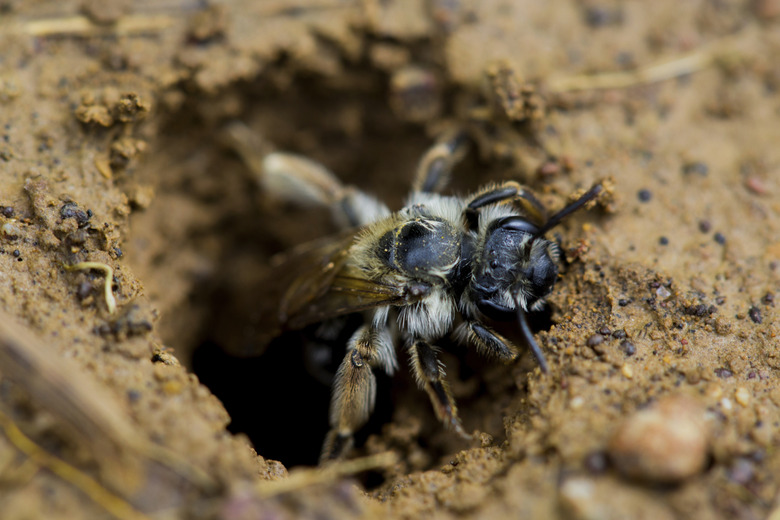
[[491, 343], [430, 375], [354, 388], [488, 341]]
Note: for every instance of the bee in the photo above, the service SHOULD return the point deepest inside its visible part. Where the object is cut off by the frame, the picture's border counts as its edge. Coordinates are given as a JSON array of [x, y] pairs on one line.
[[440, 265]]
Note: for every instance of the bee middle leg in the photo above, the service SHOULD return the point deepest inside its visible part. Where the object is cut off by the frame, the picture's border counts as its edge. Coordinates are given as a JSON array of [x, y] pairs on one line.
[[430, 375], [354, 388], [506, 192], [435, 167]]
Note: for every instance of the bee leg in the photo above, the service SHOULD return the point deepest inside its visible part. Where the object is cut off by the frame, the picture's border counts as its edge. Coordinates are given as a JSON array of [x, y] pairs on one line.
[[435, 167], [430, 376], [298, 179], [491, 343], [488, 341], [509, 191], [294, 178], [354, 388]]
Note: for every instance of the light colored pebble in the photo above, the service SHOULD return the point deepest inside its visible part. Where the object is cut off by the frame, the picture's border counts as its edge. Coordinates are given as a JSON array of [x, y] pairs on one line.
[[742, 396], [666, 443]]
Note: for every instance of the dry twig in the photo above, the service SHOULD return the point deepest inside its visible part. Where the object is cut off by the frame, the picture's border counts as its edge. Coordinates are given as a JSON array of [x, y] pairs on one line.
[[309, 477], [112, 503]]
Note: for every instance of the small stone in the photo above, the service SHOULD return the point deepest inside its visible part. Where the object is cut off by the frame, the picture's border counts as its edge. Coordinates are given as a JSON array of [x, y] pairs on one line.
[[628, 348], [666, 443], [696, 167], [627, 371], [741, 471], [723, 373], [595, 339], [596, 462], [663, 293], [742, 396]]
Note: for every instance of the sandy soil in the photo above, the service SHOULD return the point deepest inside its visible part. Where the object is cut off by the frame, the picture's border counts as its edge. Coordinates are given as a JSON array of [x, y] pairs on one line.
[[662, 400]]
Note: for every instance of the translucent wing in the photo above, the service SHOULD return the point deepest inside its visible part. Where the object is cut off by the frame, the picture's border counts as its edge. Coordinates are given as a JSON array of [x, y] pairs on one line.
[[308, 284], [349, 290]]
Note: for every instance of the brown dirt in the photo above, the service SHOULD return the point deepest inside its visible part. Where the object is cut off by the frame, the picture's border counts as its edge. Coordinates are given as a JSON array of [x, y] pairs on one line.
[[112, 150]]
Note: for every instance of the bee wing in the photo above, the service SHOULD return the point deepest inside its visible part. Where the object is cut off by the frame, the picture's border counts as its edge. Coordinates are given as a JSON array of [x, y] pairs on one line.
[[274, 290], [348, 291]]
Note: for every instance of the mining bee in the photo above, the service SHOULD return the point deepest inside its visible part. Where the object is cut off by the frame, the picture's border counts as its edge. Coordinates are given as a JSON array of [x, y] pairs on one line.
[[441, 264]]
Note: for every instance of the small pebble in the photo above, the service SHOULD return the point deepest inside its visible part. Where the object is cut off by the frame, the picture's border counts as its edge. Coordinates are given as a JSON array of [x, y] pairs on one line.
[[742, 396], [667, 443], [720, 238], [628, 348], [663, 241], [696, 167], [597, 16], [741, 471], [596, 339], [755, 314], [596, 462], [756, 185], [627, 371], [705, 226], [644, 195], [723, 373], [663, 293]]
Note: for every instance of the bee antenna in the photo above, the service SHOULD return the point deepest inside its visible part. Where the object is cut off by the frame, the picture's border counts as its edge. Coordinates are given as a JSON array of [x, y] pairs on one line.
[[571, 208], [525, 330]]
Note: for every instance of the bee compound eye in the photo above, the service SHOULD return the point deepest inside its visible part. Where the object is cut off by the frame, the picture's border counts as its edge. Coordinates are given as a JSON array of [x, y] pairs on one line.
[[518, 224]]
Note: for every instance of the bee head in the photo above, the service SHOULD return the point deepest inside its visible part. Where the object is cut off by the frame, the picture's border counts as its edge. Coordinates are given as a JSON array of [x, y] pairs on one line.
[[517, 268]]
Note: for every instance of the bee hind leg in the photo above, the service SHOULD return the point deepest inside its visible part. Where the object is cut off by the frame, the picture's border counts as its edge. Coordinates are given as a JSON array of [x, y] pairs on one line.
[[430, 375], [354, 388], [293, 178], [300, 180]]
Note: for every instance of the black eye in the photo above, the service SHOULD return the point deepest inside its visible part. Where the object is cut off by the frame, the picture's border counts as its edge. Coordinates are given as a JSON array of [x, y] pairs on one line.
[[542, 274], [518, 224]]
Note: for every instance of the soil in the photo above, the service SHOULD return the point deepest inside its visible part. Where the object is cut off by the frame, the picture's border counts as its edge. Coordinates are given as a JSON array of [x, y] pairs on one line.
[[662, 399]]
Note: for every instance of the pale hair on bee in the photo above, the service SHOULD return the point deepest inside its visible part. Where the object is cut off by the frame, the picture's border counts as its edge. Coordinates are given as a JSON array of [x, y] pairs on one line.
[[442, 265]]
